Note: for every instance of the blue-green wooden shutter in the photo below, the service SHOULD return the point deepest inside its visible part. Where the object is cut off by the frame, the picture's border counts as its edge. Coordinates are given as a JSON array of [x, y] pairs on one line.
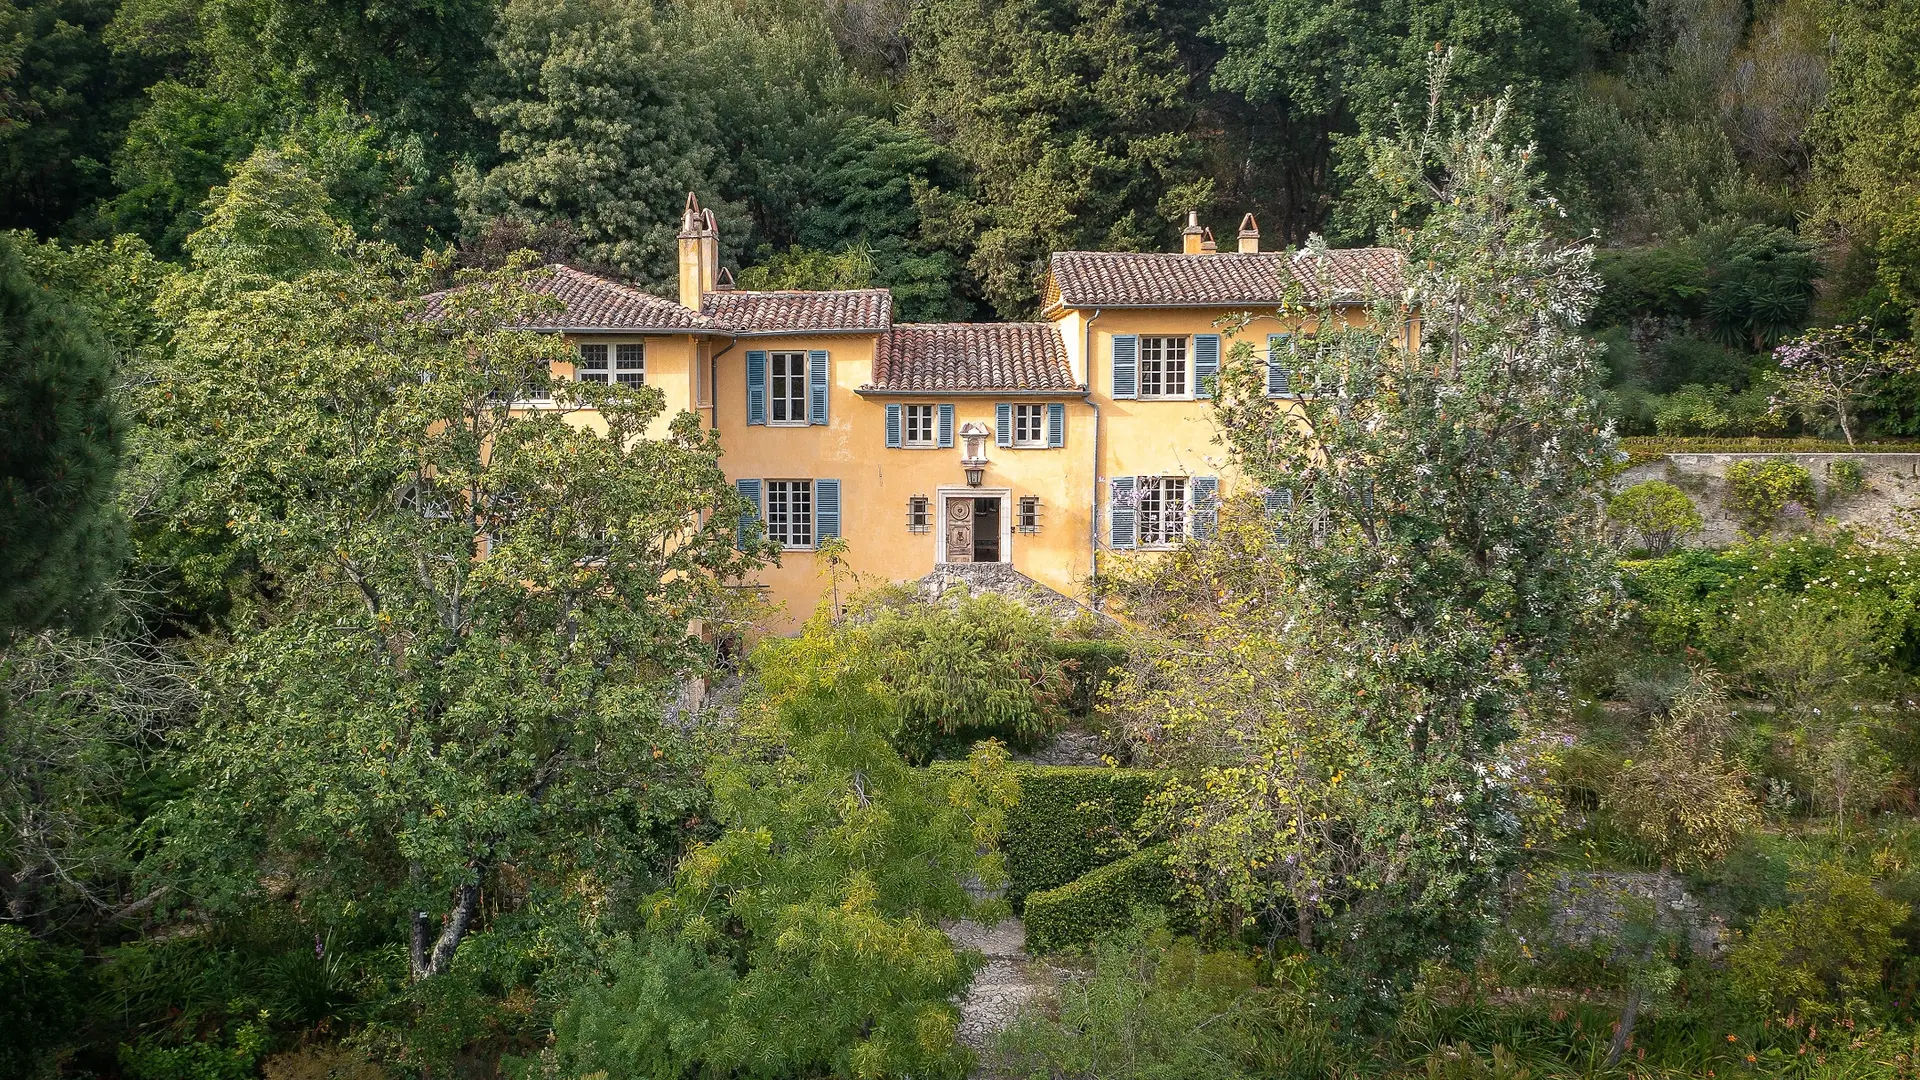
[[1003, 424], [1056, 423], [1279, 376], [756, 386], [817, 386], [946, 426], [1206, 364], [826, 509], [1205, 492], [1120, 511], [1126, 363], [750, 517], [893, 425], [1278, 505]]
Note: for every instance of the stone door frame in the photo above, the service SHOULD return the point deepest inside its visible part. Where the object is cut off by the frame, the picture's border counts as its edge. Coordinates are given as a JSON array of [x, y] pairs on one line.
[[1005, 495]]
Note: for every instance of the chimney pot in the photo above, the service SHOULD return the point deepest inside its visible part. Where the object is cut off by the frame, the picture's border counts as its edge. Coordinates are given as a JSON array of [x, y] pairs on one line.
[[723, 283], [1249, 235], [1206, 242]]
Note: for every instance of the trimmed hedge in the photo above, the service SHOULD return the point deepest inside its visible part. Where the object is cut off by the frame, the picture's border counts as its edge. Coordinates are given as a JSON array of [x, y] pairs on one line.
[[1067, 822], [1089, 663], [1641, 449], [1102, 902]]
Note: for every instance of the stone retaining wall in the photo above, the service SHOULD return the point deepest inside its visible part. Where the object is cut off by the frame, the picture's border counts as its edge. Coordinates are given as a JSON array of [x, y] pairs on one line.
[[1892, 487]]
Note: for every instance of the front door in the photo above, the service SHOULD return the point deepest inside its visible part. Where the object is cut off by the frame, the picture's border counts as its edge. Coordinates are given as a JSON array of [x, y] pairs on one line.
[[960, 530], [986, 530]]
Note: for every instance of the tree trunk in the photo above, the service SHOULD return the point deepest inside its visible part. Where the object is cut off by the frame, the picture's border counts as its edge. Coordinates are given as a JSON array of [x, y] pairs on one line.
[[428, 962], [1623, 1032]]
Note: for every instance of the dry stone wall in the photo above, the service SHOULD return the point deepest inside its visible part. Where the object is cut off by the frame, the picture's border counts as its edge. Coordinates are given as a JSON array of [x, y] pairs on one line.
[[1886, 505]]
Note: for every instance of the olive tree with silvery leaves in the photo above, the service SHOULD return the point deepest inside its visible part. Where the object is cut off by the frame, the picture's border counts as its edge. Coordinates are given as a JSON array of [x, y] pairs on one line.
[[1443, 525]]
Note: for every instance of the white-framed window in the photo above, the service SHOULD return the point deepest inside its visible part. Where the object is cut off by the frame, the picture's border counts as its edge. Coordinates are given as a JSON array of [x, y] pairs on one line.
[[1163, 510], [789, 514], [593, 364], [919, 514], [917, 425], [1163, 367], [1029, 425], [787, 387], [630, 363], [1027, 520]]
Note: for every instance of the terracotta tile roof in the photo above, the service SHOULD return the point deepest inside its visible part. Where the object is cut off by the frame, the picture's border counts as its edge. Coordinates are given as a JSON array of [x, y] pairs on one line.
[[595, 303], [842, 311], [917, 358], [1223, 279]]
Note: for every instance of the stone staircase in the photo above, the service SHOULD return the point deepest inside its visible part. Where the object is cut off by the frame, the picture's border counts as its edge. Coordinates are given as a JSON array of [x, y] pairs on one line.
[[1002, 580]]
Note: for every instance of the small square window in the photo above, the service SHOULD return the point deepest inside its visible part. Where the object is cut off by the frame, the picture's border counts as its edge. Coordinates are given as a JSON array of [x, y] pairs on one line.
[[919, 514], [918, 429], [630, 364], [1029, 425], [593, 364], [1029, 516]]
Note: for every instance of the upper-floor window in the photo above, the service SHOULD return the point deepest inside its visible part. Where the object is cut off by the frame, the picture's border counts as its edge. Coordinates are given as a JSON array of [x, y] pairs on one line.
[[790, 512], [1163, 367], [918, 425], [593, 364], [1029, 425], [1163, 510], [630, 363], [787, 387]]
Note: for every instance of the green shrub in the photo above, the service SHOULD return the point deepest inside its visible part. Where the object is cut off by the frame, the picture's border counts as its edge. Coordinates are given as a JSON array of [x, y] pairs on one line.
[[1102, 902], [1828, 948], [1070, 819], [42, 997], [1660, 513], [1694, 410], [1758, 490], [1089, 663], [1844, 478]]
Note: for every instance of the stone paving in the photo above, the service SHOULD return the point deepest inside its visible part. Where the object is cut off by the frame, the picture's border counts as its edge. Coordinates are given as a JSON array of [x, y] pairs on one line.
[[1010, 982]]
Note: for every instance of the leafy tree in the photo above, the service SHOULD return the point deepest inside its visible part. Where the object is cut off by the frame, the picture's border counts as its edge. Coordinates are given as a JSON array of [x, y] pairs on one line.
[[803, 941], [1072, 121], [1759, 284], [1340, 69], [591, 135], [1658, 512], [60, 442], [802, 268], [473, 617], [1827, 948], [1681, 795], [1829, 370], [1445, 519]]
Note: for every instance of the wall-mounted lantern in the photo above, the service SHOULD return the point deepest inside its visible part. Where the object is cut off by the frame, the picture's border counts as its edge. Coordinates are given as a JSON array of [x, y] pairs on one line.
[[973, 458]]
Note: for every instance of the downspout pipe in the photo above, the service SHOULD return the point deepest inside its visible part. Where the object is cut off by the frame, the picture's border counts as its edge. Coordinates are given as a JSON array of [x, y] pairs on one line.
[[713, 379], [1093, 538]]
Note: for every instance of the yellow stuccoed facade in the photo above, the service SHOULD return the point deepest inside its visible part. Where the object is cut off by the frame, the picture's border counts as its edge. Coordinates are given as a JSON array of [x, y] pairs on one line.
[[759, 367]]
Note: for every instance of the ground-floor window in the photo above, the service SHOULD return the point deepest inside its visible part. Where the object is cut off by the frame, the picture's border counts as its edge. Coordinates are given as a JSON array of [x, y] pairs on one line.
[[1163, 510], [790, 513]]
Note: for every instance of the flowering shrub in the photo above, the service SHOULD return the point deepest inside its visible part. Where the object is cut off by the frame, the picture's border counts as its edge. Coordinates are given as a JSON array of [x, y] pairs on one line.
[[1828, 370], [1758, 490]]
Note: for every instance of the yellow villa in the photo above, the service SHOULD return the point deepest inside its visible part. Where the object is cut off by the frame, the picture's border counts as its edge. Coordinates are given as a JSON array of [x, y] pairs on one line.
[[1006, 451]]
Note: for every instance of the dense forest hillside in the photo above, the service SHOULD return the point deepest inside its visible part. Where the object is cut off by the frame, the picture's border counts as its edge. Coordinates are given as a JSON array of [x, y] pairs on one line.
[[1746, 164]]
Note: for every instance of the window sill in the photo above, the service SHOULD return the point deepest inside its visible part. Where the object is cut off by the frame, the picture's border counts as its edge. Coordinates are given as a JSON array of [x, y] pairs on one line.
[[790, 423], [1165, 397]]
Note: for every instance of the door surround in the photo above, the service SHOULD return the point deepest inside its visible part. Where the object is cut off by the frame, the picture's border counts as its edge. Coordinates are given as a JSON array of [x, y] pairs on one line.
[[941, 495]]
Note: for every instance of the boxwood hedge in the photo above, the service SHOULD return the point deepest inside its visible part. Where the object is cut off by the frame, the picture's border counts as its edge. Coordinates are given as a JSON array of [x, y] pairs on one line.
[[1102, 902]]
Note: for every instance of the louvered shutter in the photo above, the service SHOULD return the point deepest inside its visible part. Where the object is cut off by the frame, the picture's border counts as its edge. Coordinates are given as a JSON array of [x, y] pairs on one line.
[[750, 517], [1206, 364], [817, 386], [1279, 374], [1003, 424], [893, 425], [946, 426], [1120, 511], [756, 386], [1278, 505], [826, 509], [1056, 423], [1126, 364], [1205, 492]]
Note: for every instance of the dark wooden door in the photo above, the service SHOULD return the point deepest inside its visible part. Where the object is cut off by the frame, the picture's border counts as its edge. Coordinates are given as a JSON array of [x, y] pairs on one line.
[[959, 530]]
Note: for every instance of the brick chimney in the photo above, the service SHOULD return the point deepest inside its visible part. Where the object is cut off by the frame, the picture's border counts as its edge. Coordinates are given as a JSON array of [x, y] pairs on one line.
[[1206, 243], [1193, 235], [1249, 235]]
